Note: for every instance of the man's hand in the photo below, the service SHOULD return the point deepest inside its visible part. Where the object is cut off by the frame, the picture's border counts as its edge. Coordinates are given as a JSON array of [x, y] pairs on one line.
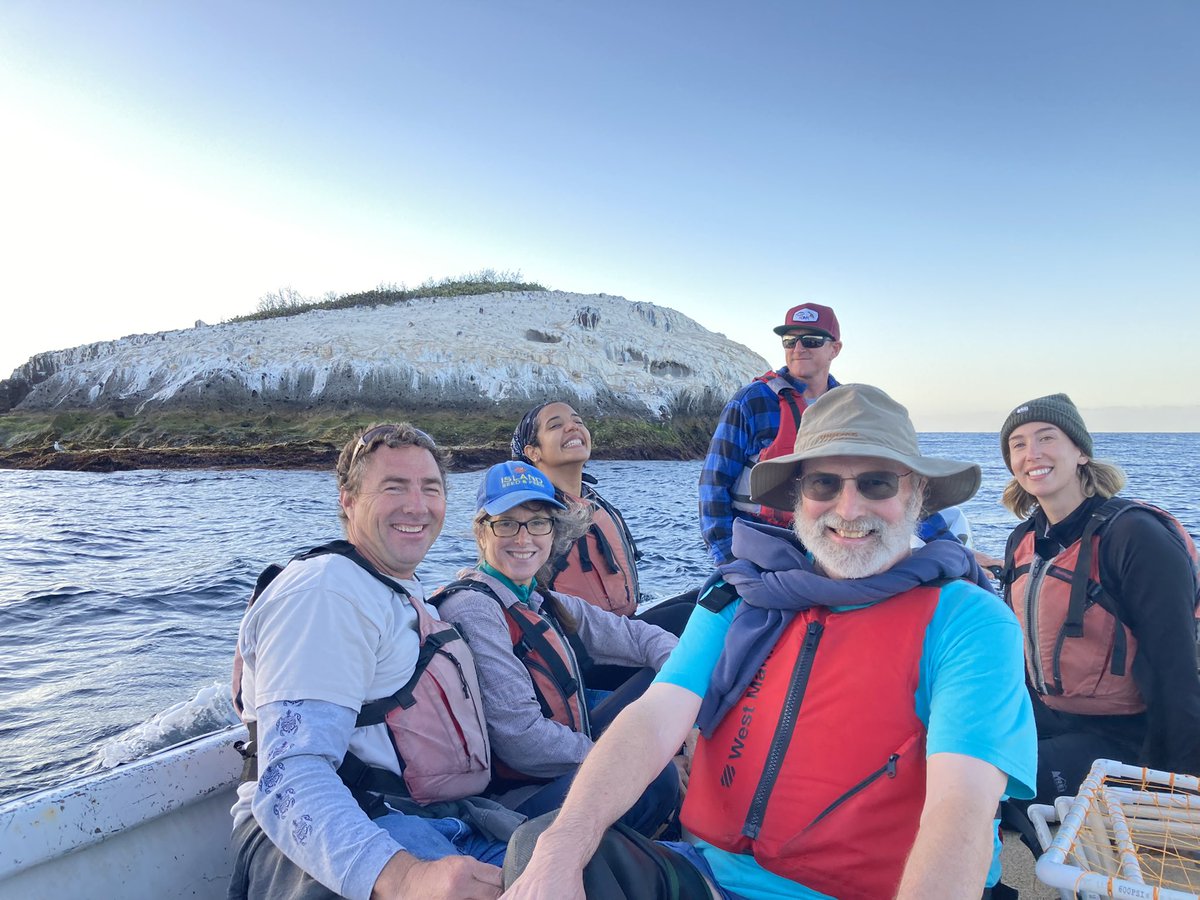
[[629, 755], [546, 878], [449, 878]]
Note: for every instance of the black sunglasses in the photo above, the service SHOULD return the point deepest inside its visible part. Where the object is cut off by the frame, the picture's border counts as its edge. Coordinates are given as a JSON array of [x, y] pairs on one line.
[[823, 486], [807, 341]]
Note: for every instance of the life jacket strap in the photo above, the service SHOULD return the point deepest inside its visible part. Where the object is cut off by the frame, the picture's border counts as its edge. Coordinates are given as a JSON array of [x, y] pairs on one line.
[[376, 711], [610, 558], [249, 753], [533, 634], [719, 596], [585, 555], [1011, 572]]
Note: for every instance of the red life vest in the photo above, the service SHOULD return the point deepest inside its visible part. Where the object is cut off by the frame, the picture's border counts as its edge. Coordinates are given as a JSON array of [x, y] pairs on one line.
[[541, 645], [601, 566], [819, 769], [1078, 653], [791, 407]]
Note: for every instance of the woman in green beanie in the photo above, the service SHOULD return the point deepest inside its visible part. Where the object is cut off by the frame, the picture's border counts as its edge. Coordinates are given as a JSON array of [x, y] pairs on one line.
[[1105, 590]]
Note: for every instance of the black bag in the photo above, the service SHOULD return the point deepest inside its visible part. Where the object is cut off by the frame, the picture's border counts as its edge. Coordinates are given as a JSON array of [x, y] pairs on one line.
[[626, 865]]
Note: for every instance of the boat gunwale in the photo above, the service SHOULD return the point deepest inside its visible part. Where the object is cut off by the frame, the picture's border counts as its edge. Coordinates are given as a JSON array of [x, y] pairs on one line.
[[53, 822]]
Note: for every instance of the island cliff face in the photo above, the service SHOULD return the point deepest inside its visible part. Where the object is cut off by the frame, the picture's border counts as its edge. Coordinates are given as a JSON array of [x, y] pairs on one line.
[[494, 353]]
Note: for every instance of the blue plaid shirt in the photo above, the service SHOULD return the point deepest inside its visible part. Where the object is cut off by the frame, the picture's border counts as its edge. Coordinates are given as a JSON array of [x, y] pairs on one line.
[[748, 425]]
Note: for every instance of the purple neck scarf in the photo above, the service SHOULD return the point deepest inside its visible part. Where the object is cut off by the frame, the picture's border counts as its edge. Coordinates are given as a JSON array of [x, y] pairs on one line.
[[776, 579]]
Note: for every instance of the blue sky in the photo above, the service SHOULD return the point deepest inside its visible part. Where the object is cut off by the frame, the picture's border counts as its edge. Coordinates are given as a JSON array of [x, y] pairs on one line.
[[999, 200]]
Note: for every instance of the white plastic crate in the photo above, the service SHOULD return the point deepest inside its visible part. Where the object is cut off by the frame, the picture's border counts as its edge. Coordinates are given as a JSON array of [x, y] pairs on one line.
[[1129, 832]]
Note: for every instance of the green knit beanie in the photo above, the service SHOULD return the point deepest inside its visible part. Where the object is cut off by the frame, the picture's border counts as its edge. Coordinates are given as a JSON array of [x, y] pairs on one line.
[[1056, 409]]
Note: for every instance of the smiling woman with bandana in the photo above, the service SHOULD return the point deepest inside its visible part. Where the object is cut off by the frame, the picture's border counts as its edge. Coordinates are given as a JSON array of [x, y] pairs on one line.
[[601, 566]]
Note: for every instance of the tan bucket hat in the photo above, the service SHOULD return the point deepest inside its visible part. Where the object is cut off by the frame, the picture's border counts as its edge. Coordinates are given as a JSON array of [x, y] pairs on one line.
[[861, 420]]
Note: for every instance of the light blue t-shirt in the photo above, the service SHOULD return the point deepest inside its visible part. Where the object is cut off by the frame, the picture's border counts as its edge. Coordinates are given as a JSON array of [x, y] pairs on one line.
[[970, 696]]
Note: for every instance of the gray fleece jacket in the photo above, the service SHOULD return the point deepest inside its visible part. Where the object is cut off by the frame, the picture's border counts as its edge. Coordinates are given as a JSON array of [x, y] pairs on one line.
[[519, 733]]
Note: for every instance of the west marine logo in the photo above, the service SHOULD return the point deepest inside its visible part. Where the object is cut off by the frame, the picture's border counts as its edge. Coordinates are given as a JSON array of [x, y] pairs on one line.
[[739, 739], [739, 743], [743, 732], [806, 315]]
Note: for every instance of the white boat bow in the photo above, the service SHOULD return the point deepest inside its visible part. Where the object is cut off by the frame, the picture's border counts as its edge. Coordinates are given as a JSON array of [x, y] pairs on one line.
[[155, 827]]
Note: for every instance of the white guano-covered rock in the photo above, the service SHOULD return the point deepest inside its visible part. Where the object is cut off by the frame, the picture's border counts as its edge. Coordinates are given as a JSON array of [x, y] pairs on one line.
[[489, 352]]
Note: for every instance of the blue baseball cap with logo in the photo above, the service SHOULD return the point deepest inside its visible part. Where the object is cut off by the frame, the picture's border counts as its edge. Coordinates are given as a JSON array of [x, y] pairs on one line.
[[510, 484]]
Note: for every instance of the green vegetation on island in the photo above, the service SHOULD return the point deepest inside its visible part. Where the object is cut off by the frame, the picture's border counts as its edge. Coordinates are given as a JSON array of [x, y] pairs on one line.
[[289, 302]]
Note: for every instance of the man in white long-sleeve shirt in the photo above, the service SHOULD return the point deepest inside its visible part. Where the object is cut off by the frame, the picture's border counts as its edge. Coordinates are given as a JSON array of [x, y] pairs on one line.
[[325, 637]]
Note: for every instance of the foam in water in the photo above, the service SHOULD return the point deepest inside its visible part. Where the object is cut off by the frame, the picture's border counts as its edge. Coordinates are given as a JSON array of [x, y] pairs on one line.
[[210, 710]]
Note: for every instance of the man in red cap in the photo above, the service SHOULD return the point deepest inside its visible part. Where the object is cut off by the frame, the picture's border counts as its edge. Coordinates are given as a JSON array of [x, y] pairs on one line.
[[760, 423]]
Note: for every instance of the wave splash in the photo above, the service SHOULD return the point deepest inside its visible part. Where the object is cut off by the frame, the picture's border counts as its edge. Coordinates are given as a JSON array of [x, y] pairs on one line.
[[210, 710]]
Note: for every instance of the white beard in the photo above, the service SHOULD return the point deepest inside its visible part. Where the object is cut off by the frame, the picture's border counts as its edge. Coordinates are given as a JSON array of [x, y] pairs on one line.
[[884, 546]]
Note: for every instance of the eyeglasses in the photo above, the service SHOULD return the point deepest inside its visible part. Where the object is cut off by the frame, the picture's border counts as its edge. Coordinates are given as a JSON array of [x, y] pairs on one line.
[[823, 486], [807, 341], [507, 528]]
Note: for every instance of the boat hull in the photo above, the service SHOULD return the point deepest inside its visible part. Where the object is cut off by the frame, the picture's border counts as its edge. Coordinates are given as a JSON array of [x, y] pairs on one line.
[[156, 827]]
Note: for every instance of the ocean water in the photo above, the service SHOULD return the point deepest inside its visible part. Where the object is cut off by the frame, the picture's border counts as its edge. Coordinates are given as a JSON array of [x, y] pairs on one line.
[[120, 594]]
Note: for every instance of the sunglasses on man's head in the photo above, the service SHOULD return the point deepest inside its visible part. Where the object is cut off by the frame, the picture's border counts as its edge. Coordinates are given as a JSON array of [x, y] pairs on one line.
[[380, 432], [807, 341], [822, 486]]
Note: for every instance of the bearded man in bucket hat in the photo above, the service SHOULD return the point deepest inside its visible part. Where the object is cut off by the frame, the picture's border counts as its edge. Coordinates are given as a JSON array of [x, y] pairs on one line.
[[861, 704]]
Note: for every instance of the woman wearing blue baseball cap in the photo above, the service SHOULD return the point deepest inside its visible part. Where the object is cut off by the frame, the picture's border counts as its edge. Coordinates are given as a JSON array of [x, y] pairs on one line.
[[529, 643]]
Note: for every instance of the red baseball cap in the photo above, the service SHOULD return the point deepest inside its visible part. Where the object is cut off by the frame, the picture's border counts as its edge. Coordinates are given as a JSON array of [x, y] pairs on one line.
[[811, 317]]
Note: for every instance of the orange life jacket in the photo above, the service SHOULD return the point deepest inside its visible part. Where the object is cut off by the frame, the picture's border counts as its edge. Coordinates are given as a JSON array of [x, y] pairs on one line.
[[791, 407], [819, 769], [601, 566], [1078, 652], [542, 646]]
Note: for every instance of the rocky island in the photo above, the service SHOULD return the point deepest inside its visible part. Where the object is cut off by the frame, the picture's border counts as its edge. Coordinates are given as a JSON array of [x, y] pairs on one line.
[[288, 391]]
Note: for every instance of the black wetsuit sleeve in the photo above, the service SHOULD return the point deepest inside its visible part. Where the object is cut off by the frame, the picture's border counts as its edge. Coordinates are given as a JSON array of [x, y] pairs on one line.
[[1154, 591]]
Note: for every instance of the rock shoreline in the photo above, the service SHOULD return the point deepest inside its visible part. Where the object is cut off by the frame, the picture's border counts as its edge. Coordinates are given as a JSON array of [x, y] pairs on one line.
[[279, 456], [104, 442], [122, 459]]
